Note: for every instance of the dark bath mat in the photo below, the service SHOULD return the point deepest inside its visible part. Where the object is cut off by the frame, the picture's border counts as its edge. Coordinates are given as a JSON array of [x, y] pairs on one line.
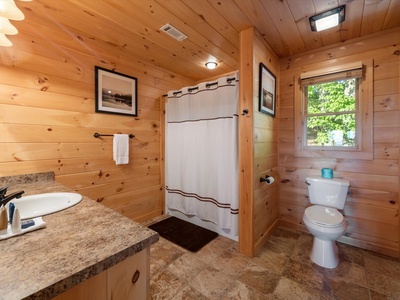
[[184, 234]]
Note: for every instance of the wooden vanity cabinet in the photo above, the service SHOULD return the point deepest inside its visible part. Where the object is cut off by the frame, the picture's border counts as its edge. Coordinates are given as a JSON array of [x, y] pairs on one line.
[[129, 279]]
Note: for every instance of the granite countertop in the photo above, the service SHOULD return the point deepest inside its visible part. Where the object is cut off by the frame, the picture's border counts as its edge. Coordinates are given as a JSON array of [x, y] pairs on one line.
[[76, 244]]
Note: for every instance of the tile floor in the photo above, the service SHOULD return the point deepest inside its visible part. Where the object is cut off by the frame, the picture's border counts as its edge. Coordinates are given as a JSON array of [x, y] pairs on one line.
[[282, 270]]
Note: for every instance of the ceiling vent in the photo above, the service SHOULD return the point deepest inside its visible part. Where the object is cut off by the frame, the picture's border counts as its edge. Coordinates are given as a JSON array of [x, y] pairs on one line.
[[175, 33]]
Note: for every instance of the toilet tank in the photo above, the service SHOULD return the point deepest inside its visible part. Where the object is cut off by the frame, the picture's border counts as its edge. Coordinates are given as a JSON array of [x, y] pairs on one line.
[[327, 192]]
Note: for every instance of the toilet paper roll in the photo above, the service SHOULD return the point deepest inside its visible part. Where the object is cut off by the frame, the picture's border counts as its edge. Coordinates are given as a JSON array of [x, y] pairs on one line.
[[269, 180]]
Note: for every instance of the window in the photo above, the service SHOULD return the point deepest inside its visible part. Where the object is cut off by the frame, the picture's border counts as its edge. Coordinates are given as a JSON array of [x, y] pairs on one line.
[[332, 113]]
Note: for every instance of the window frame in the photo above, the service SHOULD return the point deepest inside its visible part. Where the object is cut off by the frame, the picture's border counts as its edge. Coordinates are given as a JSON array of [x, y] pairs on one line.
[[364, 116]]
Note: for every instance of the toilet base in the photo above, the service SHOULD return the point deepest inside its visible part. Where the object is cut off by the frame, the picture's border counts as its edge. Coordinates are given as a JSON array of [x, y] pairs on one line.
[[325, 253]]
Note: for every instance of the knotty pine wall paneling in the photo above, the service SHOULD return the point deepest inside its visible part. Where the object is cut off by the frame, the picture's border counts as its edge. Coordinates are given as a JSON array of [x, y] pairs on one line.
[[265, 137], [258, 148], [372, 208], [47, 119]]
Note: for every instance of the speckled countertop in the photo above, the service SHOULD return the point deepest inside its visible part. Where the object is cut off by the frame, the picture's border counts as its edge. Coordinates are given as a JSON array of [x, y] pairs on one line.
[[75, 245]]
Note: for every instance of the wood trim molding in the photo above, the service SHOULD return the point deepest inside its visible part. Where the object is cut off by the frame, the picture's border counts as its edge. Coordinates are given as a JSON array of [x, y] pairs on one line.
[[246, 151], [162, 100]]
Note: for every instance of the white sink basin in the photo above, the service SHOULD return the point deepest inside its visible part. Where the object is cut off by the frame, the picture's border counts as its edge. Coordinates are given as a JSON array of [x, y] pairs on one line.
[[44, 204]]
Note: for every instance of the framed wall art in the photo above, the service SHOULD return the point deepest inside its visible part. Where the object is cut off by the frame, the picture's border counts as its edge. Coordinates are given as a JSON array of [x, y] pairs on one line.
[[267, 91], [115, 93]]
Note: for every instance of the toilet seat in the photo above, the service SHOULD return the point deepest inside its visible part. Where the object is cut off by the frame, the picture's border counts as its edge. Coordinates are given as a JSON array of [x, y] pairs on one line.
[[324, 216]]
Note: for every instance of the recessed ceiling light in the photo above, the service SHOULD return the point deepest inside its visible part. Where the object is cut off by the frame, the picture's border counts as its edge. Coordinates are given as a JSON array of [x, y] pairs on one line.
[[211, 65]]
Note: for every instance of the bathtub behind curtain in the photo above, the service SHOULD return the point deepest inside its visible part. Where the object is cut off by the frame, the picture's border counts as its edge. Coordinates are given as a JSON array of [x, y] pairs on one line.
[[202, 152]]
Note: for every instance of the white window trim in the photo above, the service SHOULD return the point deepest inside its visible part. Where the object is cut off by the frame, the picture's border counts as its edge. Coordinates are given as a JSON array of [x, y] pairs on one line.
[[365, 124]]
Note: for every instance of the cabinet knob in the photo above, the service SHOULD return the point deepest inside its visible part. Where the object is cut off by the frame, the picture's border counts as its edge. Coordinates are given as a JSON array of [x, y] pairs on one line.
[[135, 276]]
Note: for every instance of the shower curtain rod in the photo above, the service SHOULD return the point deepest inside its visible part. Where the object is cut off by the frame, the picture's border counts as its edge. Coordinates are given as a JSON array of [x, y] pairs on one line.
[[228, 80]]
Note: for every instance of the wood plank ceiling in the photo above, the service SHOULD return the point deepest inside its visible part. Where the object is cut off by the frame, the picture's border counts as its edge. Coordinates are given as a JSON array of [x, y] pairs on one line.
[[130, 28]]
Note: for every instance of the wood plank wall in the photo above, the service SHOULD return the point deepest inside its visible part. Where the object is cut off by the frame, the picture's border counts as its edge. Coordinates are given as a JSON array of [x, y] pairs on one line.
[[372, 208], [265, 137], [258, 148], [47, 120]]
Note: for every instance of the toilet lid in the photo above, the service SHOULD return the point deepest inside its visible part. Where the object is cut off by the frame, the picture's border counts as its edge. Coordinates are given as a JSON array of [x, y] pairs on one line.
[[322, 215]]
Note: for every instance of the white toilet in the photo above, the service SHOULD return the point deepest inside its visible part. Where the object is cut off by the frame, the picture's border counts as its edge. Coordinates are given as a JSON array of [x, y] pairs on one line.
[[323, 219]]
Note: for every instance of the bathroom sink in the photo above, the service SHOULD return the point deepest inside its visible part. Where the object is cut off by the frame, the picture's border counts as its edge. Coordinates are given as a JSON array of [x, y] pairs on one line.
[[44, 204]]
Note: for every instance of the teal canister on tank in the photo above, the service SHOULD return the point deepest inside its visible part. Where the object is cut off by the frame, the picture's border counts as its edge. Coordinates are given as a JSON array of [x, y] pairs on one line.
[[327, 173]]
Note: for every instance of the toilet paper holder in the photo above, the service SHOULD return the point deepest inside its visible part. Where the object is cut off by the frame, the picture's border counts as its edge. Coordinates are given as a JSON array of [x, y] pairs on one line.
[[268, 179]]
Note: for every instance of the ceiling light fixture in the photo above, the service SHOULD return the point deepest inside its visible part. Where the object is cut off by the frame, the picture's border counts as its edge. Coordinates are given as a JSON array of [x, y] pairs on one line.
[[4, 41], [211, 65], [9, 11], [6, 27], [328, 19]]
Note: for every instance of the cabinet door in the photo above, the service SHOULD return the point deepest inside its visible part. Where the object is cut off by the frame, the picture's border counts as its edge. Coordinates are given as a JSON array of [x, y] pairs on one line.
[[130, 279], [94, 288]]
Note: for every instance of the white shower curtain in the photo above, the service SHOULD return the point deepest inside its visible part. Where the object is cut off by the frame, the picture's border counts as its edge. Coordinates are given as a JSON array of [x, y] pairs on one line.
[[201, 152]]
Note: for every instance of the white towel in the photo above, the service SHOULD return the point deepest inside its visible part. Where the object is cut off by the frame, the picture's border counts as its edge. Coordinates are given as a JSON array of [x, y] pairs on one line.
[[121, 149]]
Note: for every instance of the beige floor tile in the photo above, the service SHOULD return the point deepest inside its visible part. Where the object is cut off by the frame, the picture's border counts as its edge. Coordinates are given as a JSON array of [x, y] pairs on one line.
[[378, 296], [270, 260], [155, 267], [351, 254], [189, 293], [384, 284], [286, 233], [382, 264], [259, 278], [309, 276], [282, 241], [212, 283], [302, 249], [288, 290], [343, 290], [231, 263], [164, 252], [225, 244], [281, 270], [164, 285], [187, 266], [351, 273], [240, 291], [209, 253]]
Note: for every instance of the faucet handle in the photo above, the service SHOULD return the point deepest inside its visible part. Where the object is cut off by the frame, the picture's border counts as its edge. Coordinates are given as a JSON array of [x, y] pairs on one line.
[[3, 191]]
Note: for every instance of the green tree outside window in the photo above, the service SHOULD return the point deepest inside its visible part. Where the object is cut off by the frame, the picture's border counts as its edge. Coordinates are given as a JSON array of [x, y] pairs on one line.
[[331, 113]]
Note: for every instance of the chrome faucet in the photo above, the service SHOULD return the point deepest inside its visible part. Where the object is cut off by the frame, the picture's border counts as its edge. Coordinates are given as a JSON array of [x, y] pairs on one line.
[[5, 199]]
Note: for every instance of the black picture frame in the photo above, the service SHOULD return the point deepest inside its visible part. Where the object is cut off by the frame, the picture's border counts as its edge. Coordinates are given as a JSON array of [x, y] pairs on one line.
[[115, 93], [267, 91]]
